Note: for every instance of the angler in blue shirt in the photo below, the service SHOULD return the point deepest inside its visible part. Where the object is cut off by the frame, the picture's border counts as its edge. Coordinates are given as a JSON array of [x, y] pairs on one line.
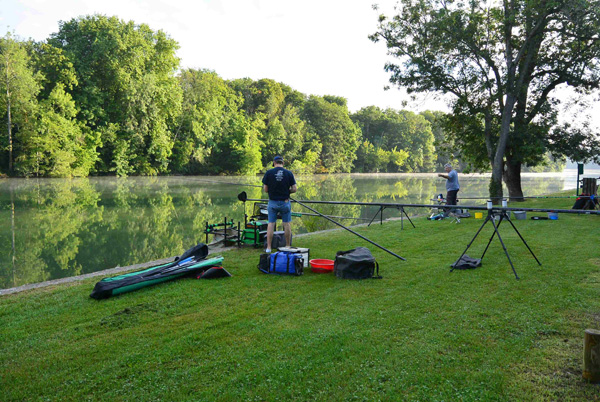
[[279, 183], [452, 186]]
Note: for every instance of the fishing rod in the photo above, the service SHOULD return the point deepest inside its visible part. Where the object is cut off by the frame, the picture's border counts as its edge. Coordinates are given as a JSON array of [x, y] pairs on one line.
[[244, 197], [530, 197], [349, 230], [296, 214], [462, 198], [228, 183], [473, 207], [301, 214]]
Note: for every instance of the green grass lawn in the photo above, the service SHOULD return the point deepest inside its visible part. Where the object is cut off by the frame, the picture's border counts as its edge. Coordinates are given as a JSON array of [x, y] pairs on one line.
[[420, 333]]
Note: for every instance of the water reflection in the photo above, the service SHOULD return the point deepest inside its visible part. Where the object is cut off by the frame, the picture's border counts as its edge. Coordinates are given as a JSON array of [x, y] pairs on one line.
[[53, 228]]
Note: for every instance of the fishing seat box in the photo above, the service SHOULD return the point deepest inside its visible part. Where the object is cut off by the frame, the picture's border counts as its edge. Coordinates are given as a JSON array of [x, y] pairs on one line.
[[255, 232], [260, 225], [249, 236], [298, 250]]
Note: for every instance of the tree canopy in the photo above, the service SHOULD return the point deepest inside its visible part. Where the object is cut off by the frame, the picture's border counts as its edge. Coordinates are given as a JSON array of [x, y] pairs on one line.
[[106, 96], [501, 61]]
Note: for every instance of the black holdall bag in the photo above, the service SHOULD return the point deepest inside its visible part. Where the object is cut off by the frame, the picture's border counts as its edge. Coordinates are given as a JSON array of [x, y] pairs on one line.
[[263, 264], [281, 263], [357, 263]]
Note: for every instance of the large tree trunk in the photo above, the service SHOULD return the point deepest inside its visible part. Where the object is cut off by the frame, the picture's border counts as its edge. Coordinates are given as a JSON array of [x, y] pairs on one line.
[[496, 183], [512, 178], [497, 163]]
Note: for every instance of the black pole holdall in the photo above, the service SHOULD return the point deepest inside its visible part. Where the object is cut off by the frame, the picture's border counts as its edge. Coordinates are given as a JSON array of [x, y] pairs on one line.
[[357, 263]]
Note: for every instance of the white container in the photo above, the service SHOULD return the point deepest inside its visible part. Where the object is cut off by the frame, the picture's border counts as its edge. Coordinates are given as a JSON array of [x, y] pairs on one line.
[[298, 250], [520, 215]]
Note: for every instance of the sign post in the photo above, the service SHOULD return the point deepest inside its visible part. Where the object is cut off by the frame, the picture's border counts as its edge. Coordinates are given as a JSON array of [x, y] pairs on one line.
[[579, 171]]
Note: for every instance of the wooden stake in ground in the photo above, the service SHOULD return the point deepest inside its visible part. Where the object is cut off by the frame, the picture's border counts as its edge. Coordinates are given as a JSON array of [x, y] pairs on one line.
[[591, 355]]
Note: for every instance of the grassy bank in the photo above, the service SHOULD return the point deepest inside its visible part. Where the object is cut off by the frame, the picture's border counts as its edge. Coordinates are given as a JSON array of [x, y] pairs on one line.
[[421, 333]]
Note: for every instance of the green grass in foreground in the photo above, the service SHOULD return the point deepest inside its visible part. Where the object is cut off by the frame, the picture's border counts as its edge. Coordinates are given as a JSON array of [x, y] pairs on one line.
[[421, 333]]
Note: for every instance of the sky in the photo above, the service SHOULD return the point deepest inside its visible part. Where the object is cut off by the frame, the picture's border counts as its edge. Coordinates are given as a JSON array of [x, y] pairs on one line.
[[318, 47]]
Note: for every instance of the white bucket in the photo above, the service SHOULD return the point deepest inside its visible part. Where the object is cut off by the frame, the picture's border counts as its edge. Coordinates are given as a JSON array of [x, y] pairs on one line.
[[520, 215]]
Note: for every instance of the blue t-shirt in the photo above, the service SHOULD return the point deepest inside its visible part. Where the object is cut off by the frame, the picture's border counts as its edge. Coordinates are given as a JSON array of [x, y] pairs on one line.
[[279, 181], [452, 182]]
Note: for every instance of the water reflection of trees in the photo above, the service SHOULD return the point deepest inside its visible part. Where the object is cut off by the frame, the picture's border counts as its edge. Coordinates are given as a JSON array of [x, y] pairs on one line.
[[69, 227], [46, 219]]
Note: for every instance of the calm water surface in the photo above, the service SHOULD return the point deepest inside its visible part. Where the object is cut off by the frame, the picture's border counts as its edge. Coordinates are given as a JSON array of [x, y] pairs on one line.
[[54, 228]]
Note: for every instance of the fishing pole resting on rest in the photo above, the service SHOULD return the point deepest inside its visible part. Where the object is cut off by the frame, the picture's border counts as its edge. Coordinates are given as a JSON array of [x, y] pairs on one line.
[[244, 197], [350, 230], [471, 207]]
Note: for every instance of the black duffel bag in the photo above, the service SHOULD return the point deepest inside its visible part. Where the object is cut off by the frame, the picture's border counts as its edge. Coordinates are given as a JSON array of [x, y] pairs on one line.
[[357, 263]]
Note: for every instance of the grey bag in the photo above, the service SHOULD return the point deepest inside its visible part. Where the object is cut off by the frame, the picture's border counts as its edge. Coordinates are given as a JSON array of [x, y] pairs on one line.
[[278, 240]]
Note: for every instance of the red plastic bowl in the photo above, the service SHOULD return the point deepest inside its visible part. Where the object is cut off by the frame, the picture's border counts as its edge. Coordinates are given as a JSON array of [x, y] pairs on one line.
[[321, 266]]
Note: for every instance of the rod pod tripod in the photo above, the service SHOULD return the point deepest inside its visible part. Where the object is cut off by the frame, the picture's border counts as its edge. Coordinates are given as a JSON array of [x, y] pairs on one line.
[[491, 217], [402, 211]]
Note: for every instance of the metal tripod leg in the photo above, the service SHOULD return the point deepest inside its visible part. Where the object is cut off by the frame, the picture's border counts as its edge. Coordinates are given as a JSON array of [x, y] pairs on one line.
[[505, 250], [524, 242], [407, 217], [377, 213], [401, 222], [492, 237], [469, 245]]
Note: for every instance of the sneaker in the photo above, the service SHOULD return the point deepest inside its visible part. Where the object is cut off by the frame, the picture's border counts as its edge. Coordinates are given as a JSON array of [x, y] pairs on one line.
[[267, 250]]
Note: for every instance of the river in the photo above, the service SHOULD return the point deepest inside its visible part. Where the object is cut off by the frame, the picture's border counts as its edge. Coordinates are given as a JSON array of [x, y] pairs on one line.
[[56, 228]]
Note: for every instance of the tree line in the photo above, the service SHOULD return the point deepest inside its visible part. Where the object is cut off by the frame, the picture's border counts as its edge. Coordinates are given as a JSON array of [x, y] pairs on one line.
[[104, 96]]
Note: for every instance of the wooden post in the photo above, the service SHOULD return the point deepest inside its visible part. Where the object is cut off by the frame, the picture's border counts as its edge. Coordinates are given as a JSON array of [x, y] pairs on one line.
[[591, 355]]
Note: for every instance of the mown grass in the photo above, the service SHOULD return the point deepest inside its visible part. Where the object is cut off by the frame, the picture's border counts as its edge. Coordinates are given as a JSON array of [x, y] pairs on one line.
[[421, 333]]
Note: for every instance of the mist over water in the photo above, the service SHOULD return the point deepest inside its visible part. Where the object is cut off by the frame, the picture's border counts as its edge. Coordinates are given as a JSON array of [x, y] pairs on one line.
[[56, 228]]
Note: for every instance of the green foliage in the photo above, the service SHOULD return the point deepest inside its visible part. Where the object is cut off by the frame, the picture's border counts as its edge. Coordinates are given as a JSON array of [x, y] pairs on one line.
[[59, 146], [307, 164], [239, 151], [54, 67], [209, 104], [445, 145], [18, 90], [406, 135], [549, 164], [335, 130], [127, 89], [101, 96]]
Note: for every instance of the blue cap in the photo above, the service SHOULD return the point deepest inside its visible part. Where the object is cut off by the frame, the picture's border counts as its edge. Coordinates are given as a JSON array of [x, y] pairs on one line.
[[278, 159]]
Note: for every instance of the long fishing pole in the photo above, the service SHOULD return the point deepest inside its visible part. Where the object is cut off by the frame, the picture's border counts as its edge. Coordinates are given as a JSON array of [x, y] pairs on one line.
[[301, 214], [530, 197], [228, 183], [349, 230], [473, 207], [462, 198], [297, 214]]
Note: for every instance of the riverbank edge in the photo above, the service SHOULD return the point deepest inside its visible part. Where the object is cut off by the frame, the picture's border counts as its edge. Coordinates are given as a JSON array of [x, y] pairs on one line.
[[130, 268]]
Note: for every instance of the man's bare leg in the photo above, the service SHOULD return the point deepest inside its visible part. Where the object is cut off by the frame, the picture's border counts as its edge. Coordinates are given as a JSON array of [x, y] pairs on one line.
[[287, 229], [270, 230]]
